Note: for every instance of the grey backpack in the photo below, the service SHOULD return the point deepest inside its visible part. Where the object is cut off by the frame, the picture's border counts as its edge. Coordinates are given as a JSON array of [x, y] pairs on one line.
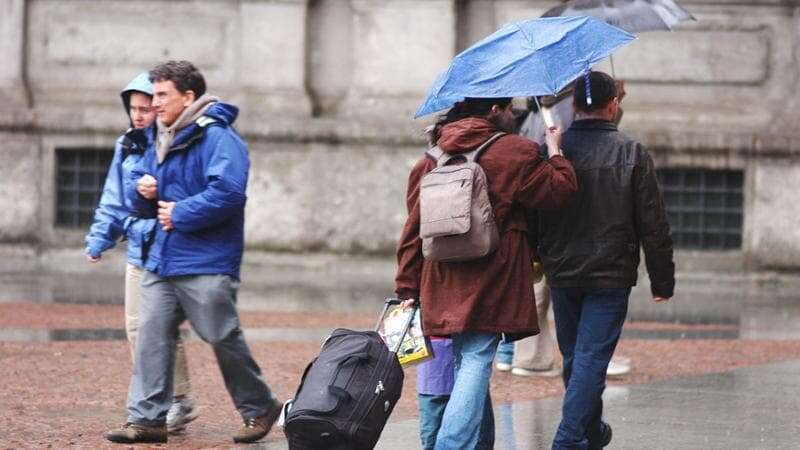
[[456, 217]]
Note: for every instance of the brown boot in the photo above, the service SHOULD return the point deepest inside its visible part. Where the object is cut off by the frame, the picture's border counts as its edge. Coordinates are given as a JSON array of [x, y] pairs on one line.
[[131, 433], [258, 427]]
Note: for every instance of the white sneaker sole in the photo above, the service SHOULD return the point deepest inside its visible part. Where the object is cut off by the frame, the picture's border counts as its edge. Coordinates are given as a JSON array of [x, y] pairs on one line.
[[502, 367], [551, 373], [180, 425]]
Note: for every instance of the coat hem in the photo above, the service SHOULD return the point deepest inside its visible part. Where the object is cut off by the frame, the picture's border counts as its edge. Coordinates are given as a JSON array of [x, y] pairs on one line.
[[458, 330]]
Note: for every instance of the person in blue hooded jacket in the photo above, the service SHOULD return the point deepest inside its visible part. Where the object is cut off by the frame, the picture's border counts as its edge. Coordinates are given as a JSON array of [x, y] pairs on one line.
[[113, 220], [194, 182]]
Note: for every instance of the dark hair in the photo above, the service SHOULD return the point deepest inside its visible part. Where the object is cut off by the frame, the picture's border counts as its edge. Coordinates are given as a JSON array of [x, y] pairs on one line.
[[470, 107], [183, 73], [603, 90]]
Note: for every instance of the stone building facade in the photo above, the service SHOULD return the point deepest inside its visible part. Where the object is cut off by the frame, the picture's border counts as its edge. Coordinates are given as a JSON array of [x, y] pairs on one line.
[[327, 89]]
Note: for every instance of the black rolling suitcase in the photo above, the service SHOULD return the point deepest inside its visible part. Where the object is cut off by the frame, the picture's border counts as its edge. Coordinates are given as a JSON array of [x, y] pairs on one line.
[[346, 393]]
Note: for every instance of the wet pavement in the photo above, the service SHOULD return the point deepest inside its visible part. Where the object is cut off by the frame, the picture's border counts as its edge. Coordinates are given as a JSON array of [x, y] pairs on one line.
[[751, 305], [751, 408], [704, 375]]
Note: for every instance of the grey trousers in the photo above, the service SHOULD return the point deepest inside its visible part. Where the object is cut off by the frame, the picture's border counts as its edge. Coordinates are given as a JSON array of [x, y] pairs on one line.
[[133, 280], [208, 302]]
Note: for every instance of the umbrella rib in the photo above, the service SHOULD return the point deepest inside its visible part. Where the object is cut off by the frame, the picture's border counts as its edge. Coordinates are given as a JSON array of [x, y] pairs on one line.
[[522, 30]]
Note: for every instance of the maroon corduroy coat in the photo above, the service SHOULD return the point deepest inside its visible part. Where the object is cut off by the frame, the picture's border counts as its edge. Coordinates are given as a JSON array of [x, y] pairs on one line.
[[494, 293]]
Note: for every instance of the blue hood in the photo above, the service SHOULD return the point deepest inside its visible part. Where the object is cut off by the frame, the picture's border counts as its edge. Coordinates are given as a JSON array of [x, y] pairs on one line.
[[223, 112], [139, 84]]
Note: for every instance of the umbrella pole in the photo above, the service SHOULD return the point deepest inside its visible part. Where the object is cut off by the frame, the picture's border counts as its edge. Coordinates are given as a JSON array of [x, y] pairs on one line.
[[538, 106], [545, 113], [613, 72]]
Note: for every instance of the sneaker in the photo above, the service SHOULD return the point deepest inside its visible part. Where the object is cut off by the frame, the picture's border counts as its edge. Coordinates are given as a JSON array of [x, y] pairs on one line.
[[258, 427], [547, 373], [618, 367], [502, 367], [181, 412], [131, 433]]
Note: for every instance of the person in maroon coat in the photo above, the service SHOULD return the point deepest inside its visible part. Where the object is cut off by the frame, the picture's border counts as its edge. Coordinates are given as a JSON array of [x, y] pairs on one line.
[[476, 302]]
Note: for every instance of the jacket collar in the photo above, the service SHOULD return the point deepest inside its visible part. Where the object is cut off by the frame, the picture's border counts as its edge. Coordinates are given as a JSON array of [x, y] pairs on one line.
[[137, 140], [186, 137], [466, 134], [594, 124]]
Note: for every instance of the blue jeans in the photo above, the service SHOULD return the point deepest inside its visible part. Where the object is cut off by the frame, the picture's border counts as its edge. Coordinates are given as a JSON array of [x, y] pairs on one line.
[[505, 352], [588, 326], [431, 410], [469, 409]]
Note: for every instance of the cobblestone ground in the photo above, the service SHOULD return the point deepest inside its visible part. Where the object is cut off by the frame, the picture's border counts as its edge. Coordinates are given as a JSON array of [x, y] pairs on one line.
[[66, 394]]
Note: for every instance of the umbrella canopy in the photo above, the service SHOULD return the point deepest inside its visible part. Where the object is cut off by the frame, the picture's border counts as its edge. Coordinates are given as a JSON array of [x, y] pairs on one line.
[[523, 59], [633, 16]]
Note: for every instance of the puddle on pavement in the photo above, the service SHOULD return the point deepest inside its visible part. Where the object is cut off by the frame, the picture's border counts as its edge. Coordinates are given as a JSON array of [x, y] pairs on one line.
[[747, 309]]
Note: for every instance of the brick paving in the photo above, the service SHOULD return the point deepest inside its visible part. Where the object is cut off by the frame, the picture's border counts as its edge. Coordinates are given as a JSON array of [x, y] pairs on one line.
[[65, 394]]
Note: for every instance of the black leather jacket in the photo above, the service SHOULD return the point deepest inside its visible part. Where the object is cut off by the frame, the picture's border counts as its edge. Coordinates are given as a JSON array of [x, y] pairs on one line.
[[594, 242]]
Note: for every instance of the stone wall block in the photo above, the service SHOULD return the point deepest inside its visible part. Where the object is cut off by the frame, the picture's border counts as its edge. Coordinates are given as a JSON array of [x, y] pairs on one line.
[[272, 46], [345, 198], [82, 53], [774, 237], [401, 46], [13, 91], [19, 187]]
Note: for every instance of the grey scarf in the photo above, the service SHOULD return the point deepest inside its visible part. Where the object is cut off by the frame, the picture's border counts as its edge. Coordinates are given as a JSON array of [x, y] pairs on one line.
[[187, 117]]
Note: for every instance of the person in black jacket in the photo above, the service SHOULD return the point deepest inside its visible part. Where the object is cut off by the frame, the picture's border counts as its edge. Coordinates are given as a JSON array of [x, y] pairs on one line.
[[590, 252]]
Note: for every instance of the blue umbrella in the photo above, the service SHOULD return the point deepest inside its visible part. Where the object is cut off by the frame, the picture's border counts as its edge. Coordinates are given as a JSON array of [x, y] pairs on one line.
[[524, 59]]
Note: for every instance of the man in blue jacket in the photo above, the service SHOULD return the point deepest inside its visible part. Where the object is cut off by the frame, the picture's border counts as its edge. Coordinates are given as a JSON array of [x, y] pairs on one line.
[[112, 220], [194, 180]]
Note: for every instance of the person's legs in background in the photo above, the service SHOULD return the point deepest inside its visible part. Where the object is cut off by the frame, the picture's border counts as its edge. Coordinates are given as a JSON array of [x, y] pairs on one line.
[[505, 356], [133, 280], [183, 409], [536, 355]]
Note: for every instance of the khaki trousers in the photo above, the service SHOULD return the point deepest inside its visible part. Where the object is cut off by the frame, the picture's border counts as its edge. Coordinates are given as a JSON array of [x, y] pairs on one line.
[[133, 282], [538, 352]]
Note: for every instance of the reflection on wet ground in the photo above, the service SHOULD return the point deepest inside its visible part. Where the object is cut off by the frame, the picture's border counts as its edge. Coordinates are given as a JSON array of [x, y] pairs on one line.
[[742, 409], [746, 306]]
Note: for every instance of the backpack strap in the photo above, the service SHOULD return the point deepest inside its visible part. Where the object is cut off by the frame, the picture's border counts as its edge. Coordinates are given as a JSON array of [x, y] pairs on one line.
[[443, 158], [473, 155], [435, 153]]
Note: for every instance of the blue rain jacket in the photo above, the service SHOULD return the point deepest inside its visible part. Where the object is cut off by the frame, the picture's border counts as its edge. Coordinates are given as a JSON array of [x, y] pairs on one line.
[[112, 218], [205, 173]]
